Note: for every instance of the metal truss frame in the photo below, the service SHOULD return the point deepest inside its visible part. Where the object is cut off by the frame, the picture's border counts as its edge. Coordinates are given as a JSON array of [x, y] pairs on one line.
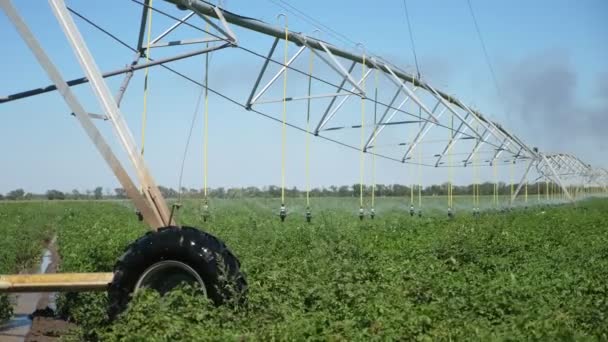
[[146, 197], [402, 88]]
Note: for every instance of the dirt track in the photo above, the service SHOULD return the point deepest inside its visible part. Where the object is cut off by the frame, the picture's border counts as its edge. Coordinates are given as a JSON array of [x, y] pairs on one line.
[[45, 327], [33, 317]]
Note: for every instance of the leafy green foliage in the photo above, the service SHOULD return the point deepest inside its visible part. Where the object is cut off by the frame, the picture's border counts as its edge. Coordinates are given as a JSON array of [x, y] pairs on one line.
[[23, 231], [522, 275], [6, 310]]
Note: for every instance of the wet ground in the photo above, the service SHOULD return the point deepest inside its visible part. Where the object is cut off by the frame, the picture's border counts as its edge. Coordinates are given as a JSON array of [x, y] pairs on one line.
[[33, 318]]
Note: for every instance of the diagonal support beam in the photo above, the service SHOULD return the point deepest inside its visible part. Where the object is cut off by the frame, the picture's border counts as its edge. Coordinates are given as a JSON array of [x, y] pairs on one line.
[[381, 124], [524, 179], [477, 146], [421, 133], [331, 103], [107, 103], [129, 75], [557, 178], [150, 216], [398, 82], [337, 66], [277, 75], [487, 124], [261, 74], [454, 112], [342, 102], [505, 143], [454, 138]]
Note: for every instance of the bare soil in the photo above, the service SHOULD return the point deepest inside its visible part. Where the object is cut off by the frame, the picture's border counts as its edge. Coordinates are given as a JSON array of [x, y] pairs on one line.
[[45, 326]]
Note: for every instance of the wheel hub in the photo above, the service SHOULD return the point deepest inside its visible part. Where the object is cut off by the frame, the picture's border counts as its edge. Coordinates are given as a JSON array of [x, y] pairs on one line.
[[165, 275]]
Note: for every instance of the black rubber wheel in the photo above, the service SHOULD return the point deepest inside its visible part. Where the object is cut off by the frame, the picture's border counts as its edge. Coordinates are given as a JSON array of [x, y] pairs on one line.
[[205, 254]]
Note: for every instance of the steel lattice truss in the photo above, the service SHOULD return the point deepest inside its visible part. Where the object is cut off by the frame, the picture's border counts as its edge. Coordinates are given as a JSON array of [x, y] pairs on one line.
[[407, 119]]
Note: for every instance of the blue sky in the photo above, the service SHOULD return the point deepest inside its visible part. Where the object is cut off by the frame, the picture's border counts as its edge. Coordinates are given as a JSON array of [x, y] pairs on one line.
[[550, 58]]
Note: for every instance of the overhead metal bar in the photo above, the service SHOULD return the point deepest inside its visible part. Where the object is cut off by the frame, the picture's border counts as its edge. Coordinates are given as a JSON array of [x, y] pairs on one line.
[[185, 42], [120, 71], [300, 98], [202, 7], [370, 124]]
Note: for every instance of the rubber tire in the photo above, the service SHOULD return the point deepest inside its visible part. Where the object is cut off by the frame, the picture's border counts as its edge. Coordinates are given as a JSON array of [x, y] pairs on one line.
[[189, 245]]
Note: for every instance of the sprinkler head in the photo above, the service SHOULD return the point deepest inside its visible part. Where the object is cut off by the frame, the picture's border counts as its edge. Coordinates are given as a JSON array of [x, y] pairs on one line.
[[282, 212], [140, 217]]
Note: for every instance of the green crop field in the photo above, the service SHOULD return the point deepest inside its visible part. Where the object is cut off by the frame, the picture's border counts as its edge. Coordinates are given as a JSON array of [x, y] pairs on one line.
[[535, 273]]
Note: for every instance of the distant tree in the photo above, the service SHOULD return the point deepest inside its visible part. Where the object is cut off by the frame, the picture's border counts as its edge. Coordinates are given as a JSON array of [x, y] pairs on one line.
[[1, 197], [75, 194], [234, 193], [98, 193], [356, 189], [380, 190], [28, 196], [219, 192], [252, 191], [15, 194], [344, 191], [120, 193], [55, 195], [194, 192], [167, 192], [400, 190], [274, 191]]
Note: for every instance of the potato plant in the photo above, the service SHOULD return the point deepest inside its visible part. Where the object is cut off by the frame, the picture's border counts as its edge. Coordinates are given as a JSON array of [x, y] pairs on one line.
[[529, 274], [25, 228]]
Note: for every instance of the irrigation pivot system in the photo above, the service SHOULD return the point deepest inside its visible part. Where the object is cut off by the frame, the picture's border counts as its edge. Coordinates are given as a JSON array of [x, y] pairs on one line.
[[327, 83]]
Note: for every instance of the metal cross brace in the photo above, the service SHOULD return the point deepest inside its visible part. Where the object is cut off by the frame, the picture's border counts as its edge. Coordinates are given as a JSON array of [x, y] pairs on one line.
[[151, 215], [102, 92]]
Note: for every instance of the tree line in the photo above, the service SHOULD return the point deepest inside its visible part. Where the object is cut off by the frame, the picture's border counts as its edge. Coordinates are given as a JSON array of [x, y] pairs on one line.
[[272, 191]]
